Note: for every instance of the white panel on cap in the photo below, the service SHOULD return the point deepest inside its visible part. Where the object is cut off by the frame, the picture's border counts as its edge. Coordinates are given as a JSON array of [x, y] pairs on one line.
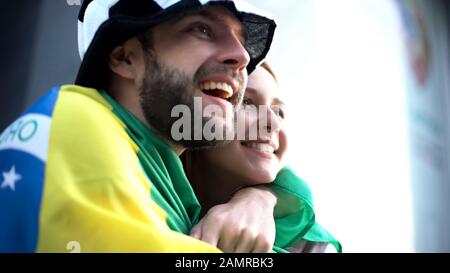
[[244, 7], [166, 3], [97, 12]]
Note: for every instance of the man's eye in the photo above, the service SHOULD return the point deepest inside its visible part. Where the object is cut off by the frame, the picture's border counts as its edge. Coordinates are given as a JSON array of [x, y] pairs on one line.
[[203, 30]]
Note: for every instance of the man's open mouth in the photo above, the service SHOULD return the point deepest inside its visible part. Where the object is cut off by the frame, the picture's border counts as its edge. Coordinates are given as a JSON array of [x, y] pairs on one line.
[[217, 89]]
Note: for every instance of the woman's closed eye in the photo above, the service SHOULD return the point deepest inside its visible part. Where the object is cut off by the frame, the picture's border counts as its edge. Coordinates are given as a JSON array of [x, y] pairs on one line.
[[247, 102], [278, 111]]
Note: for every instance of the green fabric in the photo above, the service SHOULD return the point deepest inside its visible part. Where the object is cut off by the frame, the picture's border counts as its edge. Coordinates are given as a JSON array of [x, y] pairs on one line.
[[172, 191], [318, 234], [298, 222]]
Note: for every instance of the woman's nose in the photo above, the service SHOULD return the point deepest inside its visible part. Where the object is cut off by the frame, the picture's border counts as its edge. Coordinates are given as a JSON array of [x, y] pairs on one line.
[[268, 120]]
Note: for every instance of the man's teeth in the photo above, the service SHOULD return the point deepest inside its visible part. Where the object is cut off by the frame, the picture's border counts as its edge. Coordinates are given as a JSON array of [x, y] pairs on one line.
[[217, 85], [263, 147]]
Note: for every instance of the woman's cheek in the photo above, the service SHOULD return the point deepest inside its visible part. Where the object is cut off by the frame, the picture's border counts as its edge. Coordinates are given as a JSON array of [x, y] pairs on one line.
[[284, 143]]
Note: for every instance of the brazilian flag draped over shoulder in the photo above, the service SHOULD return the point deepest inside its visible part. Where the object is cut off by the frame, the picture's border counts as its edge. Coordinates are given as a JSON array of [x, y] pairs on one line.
[[80, 170]]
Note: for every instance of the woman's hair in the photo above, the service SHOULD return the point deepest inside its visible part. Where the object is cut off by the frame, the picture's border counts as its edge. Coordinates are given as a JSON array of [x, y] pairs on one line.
[[269, 69]]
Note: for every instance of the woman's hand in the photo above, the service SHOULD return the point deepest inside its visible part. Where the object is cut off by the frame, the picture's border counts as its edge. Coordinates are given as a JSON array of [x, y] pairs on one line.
[[244, 224]]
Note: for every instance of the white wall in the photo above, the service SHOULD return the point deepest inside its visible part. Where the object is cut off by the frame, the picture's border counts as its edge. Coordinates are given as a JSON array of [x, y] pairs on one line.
[[341, 67]]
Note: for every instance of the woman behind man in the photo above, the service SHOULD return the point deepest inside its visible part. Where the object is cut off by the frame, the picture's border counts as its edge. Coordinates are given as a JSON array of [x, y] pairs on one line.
[[216, 174]]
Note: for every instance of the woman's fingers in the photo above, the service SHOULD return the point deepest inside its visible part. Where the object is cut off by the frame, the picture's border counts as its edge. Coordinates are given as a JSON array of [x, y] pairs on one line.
[[262, 245], [228, 243], [246, 242], [210, 233]]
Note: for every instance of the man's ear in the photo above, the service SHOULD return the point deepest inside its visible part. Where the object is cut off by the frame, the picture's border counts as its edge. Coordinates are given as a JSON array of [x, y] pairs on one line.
[[124, 60]]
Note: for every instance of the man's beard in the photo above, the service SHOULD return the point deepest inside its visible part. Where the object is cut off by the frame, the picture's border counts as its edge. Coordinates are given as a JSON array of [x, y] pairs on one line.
[[163, 88]]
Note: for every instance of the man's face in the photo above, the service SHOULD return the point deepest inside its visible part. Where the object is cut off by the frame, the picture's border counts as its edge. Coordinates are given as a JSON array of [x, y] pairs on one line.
[[202, 55]]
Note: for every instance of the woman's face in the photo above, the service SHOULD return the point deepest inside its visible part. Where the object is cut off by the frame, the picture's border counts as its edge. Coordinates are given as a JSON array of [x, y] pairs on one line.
[[258, 158]]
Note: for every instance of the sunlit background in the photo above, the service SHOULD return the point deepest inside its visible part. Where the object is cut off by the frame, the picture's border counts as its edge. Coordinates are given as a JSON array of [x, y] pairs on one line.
[[367, 87], [358, 109]]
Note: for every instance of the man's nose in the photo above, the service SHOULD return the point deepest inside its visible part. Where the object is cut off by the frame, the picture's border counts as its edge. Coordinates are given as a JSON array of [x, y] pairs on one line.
[[233, 53]]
